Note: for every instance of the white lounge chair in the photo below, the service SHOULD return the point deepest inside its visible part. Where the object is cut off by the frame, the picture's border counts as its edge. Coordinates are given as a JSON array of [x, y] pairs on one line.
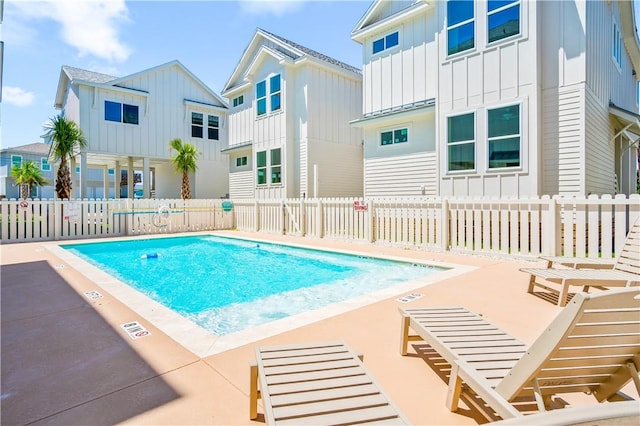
[[592, 346], [625, 270], [317, 384]]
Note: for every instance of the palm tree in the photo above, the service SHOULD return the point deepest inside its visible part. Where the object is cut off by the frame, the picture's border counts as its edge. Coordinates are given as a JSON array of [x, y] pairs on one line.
[[185, 162], [27, 175], [67, 138]]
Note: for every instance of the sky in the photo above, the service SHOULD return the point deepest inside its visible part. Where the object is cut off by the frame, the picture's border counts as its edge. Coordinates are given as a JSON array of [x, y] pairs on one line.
[[119, 38]]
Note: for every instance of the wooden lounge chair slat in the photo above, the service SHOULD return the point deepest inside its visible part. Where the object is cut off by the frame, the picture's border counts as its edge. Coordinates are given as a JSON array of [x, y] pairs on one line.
[[325, 407], [344, 417], [283, 388], [582, 350], [323, 394], [313, 375], [316, 366], [317, 383]]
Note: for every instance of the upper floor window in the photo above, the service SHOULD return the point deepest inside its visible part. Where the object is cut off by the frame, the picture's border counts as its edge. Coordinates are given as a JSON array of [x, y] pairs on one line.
[[238, 100], [504, 136], [275, 95], [617, 45], [461, 142], [503, 19], [44, 164], [241, 161], [460, 26], [394, 136], [275, 166], [386, 42], [197, 126], [121, 113], [213, 122], [16, 161]]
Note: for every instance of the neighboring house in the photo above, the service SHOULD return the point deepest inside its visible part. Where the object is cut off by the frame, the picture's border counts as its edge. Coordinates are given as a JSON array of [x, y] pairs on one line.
[[499, 98], [129, 121], [17, 155], [289, 132]]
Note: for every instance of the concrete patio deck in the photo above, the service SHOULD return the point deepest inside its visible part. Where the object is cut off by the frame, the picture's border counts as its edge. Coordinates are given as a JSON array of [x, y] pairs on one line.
[[67, 361]]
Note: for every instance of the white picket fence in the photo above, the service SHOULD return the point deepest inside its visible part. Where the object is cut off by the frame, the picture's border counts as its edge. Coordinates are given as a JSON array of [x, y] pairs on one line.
[[573, 226], [42, 220]]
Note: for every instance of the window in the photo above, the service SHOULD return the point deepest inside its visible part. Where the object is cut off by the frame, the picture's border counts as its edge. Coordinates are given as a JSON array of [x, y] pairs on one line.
[[461, 142], [112, 172], [44, 164], [503, 19], [197, 124], [213, 122], [78, 169], [241, 161], [276, 163], [274, 90], [121, 113], [504, 137], [460, 26], [261, 98], [617, 45], [238, 101], [275, 95], [261, 167], [386, 42], [394, 136], [16, 161]]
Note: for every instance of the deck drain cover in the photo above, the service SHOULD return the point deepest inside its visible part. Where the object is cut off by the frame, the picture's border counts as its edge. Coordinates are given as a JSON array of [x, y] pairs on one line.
[[409, 297], [92, 294], [135, 330]]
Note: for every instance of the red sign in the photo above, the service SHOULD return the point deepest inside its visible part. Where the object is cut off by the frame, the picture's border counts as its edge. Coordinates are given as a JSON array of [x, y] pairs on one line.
[[360, 206]]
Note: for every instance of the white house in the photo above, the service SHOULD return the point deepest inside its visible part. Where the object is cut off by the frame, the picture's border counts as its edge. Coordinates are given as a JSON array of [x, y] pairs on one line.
[[504, 98], [129, 121], [289, 131]]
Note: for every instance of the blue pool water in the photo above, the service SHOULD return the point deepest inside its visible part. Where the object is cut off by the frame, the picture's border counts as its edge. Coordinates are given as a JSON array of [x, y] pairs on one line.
[[226, 285]]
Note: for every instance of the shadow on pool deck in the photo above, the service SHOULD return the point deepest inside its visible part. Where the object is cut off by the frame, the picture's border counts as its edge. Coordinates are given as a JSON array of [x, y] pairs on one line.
[[58, 354]]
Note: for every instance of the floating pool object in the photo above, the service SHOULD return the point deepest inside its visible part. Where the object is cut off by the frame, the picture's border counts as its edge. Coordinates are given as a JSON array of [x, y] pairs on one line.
[[149, 256]]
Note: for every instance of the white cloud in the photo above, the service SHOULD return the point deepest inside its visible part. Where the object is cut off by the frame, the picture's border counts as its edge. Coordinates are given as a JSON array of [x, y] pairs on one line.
[[274, 7], [90, 26], [17, 96]]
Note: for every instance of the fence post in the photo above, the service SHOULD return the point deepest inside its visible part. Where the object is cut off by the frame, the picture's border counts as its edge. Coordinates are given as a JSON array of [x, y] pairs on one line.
[[256, 216], [551, 221], [57, 219], [370, 227], [443, 239], [319, 220], [283, 217], [303, 218]]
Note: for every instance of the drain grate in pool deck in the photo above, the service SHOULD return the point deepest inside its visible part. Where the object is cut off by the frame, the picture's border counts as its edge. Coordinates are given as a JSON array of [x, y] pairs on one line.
[[409, 297]]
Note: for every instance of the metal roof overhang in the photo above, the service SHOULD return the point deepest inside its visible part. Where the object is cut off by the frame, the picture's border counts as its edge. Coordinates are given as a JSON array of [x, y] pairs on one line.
[[629, 119], [404, 111], [240, 147]]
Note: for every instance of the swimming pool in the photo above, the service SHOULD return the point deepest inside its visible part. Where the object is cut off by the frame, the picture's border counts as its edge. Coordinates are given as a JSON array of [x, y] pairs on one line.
[[226, 285]]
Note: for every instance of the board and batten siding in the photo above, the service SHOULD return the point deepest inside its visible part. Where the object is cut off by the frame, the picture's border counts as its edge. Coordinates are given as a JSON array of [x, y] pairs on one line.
[[404, 175], [605, 78], [406, 73], [563, 133], [163, 115], [241, 120]]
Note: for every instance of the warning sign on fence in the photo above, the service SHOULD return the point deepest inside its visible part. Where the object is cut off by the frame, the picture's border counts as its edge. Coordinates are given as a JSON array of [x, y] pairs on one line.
[[72, 212], [360, 206]]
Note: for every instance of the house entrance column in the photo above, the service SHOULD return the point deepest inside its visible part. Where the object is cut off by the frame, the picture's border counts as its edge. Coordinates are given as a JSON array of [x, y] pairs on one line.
[[116, 181], [83, 175], [105, 182], [130, 178], [146, 178], [74, 178]]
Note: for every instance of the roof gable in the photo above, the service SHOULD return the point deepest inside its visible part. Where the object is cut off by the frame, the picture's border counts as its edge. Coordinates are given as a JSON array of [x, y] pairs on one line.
[[279, 47], [386, 12], [76, 75]]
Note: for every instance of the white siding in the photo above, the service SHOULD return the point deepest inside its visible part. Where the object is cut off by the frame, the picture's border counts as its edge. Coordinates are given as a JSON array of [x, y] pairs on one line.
[[600, 152], [413, 174], [404, 74], [339, 169], [563, 140], [241, 184]]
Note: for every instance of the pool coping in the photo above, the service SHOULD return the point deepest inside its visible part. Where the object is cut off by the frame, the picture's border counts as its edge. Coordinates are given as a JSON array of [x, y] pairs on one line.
[[204, 343]]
